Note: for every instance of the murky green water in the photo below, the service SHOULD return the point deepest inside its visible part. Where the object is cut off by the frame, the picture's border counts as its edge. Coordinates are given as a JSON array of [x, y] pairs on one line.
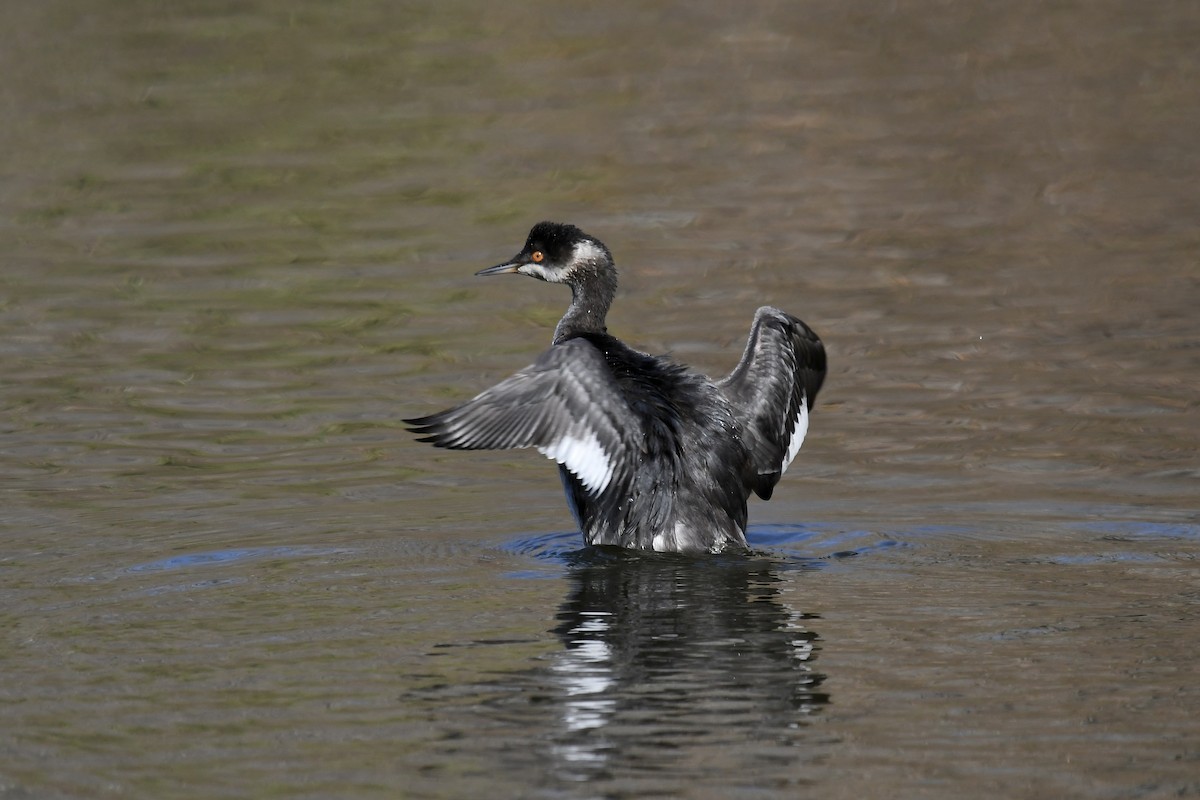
[[237, 243]]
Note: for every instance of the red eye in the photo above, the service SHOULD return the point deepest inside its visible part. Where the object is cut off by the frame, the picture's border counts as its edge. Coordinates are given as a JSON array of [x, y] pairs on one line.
[[538, 256]]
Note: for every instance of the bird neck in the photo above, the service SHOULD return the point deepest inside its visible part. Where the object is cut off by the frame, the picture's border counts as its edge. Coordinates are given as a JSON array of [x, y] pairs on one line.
[[591, 296]]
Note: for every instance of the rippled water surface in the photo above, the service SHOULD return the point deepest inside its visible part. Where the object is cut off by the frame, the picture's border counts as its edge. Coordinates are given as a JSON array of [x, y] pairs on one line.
[[236, 247]]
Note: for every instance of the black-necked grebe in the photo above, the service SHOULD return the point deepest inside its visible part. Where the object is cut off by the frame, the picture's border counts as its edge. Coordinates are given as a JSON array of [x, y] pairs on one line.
[[652, 455]]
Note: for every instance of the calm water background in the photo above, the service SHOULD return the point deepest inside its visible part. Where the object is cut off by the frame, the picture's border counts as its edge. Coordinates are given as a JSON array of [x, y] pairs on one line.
[[236, 246]]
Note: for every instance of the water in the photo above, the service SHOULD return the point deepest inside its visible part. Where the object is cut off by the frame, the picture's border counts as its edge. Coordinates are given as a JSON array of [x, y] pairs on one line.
[[238, 243]]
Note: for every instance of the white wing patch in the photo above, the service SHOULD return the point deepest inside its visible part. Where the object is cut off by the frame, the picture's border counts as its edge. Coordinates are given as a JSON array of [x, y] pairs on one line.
[[799, 431], [583, 457]]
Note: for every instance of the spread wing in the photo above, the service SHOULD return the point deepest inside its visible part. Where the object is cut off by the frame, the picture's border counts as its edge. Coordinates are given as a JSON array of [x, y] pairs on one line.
[[566, 405], [773, 388]]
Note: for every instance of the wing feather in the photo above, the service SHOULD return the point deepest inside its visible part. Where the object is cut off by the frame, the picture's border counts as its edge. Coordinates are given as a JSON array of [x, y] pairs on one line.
[[566, 405], [773, 388]]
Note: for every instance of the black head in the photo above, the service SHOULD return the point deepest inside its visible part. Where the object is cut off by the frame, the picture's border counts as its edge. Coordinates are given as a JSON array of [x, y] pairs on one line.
[[554, 252]]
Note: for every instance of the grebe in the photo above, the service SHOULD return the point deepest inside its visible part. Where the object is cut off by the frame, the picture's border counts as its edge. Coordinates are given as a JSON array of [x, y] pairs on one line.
[[652, 455]]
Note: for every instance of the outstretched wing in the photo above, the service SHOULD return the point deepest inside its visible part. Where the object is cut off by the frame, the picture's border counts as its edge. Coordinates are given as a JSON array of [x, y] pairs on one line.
[[773, 388], [566, 405]]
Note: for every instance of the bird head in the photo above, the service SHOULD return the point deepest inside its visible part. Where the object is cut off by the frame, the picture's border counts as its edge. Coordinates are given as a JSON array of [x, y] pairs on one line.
[[555, 252]]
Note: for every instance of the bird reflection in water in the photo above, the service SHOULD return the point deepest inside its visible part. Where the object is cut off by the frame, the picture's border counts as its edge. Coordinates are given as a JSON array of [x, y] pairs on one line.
[[677, 660]]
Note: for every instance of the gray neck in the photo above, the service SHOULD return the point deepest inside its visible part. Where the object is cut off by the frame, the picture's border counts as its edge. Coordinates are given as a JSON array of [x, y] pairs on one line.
[[591, 295]]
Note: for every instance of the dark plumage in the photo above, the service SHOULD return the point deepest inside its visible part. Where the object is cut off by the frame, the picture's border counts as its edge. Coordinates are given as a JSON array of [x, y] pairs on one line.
[[652, 455]]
